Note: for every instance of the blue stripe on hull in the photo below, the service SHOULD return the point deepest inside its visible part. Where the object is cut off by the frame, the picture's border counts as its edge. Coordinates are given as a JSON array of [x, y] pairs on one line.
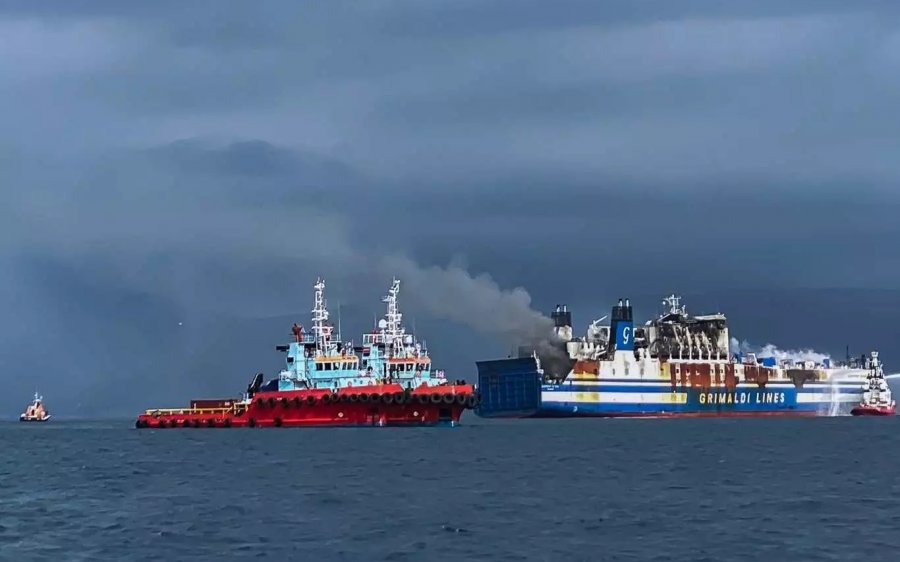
[[610, 401], [667, 387]]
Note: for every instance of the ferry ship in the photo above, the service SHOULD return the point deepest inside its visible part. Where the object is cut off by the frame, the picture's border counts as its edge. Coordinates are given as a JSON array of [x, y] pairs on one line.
[[386, 381], [35, 412], [674, 365], [877, 399]]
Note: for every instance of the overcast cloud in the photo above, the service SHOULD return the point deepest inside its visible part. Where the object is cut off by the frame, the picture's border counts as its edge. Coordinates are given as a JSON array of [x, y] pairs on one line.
[[200, 162]]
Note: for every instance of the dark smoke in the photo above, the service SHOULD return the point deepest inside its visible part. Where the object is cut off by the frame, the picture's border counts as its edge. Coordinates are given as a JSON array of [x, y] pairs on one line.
[[478, 302]]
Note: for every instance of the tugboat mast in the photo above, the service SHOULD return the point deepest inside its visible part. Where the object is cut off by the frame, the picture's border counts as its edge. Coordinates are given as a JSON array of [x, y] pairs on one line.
[[393, 328], [321, 331]]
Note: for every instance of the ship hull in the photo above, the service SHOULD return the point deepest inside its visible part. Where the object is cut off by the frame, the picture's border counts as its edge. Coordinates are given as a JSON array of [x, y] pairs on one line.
[[657, 399], [867, 410], [27, 419], [510, 389], [382, 406]]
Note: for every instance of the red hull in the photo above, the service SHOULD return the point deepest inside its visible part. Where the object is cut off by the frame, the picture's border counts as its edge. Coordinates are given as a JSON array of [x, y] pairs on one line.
[[866, 410], [381, 405]]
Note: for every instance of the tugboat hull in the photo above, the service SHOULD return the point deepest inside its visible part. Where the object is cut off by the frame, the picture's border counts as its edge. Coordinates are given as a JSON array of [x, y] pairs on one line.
[[374, 406], [33, 419], [867, 410]]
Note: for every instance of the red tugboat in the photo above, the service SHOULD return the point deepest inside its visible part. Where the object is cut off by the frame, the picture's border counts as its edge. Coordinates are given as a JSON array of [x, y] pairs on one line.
[[877, 400], [387, 381]]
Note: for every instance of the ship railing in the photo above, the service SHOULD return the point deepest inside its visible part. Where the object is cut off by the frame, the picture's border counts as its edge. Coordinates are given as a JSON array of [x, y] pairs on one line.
[[182, 411], [374, 338]]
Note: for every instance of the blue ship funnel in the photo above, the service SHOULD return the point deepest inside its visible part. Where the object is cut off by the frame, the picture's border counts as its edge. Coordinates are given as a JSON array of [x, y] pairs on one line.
[[622, 325]]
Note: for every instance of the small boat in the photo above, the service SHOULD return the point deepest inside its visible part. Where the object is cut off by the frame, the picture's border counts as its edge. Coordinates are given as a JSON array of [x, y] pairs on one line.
[[876, 400], [35, 411]]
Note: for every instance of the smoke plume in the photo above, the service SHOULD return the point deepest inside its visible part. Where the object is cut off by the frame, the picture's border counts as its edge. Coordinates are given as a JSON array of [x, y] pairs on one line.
[[780, 355], [452, 293]]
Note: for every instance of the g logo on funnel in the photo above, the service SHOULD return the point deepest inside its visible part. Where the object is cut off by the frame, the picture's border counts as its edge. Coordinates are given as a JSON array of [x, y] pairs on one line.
[[624, 340]]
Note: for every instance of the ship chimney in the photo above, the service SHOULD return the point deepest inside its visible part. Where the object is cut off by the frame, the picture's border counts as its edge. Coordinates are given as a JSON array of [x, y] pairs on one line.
[[562, 323], [621, 328]]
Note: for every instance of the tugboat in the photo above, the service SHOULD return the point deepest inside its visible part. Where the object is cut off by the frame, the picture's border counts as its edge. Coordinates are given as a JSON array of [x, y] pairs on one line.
[[35, 412], [387, 381], [877, 400]]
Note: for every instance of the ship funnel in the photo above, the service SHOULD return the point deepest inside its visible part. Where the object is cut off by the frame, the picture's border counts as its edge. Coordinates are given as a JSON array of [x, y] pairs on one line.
[[561, 317], [621, 324], [562, 322]]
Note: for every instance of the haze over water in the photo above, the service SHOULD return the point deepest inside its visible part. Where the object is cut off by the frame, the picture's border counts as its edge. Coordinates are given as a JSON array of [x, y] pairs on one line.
[[750, 489]]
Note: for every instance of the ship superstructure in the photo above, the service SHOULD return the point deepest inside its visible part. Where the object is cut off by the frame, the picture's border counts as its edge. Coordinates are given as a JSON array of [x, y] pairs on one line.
[[394, 356], [675, 364], [319, 359]]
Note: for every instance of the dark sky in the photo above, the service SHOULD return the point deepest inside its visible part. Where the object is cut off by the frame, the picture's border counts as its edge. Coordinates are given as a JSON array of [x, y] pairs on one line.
[[200, 162]]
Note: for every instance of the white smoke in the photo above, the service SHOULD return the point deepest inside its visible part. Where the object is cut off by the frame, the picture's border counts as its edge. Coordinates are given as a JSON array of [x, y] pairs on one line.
[[780, 355], [452, 293]]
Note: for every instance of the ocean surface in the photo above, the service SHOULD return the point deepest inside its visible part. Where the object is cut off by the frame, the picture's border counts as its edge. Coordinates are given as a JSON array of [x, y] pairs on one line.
[[730, 489]]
